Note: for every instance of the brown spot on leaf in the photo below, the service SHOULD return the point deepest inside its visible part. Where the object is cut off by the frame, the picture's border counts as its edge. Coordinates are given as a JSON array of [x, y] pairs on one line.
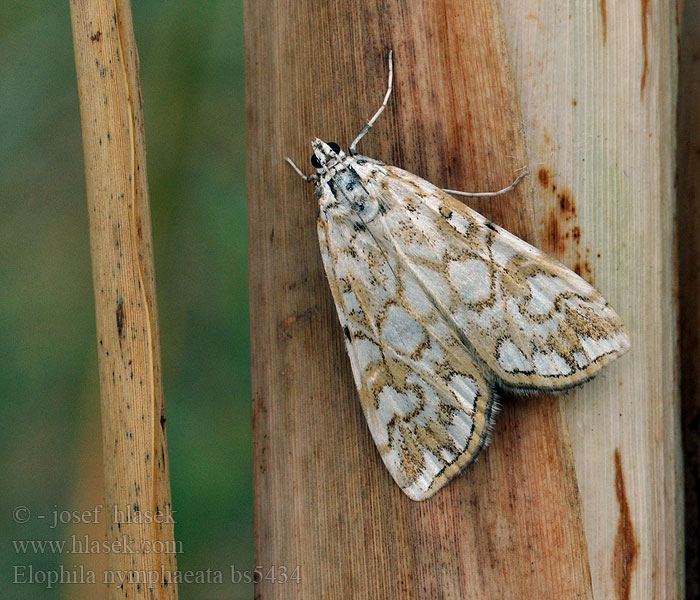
[[566, 204], [562, 234], [626, 546], [286, 327], [95, 37], [292, 286], [645, 34], [120, 317], [553, 239], [574, 102], [604, 18], [583, 269]]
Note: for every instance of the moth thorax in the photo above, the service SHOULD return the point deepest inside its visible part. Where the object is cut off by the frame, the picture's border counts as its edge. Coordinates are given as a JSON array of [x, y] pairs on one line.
[[348, 189]]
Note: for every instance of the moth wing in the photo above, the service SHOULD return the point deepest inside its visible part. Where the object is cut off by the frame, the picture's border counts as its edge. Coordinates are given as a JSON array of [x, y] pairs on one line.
[[429, 408], [535, 323]]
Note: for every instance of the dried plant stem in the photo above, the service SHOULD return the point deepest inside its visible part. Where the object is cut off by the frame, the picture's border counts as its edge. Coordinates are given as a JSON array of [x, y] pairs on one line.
[[133, 411]]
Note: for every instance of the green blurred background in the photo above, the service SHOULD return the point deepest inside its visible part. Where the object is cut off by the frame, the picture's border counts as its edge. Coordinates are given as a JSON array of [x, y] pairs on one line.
[[192, 73]]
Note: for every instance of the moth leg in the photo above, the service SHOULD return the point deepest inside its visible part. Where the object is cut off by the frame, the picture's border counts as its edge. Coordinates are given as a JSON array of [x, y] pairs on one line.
[[311, 177], [366, 128], [505, 190]]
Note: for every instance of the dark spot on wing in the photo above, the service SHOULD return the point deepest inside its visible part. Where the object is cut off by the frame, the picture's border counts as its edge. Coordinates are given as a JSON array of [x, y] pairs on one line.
[[445, 212], [333, 188]]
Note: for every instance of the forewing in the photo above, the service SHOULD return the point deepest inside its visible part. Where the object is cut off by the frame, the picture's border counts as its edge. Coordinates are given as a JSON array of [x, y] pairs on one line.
[[428, 405], [532, 321]]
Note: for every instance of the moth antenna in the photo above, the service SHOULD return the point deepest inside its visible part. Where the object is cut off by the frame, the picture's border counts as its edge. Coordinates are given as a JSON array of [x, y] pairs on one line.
[[366, 128], [299, 172], [505, 190]]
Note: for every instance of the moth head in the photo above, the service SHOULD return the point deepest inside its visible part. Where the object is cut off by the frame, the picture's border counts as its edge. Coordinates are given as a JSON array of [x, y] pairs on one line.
[[325, 154]]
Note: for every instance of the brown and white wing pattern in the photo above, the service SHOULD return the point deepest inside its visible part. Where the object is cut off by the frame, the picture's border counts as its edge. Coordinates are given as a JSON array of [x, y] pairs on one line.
[[534, 323], [429, 406]]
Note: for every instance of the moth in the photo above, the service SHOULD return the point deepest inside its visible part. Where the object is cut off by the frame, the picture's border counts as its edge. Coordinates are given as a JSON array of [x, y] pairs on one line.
[[441, 309]]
